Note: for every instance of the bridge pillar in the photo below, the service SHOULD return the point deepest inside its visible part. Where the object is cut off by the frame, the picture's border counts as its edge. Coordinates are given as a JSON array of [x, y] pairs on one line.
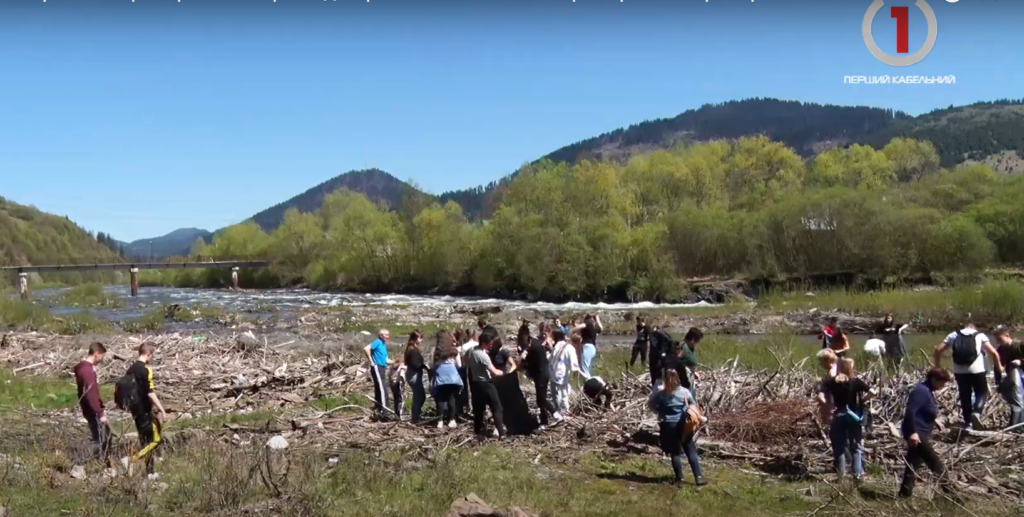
[[23, 285], [135, 281], [234, 278]]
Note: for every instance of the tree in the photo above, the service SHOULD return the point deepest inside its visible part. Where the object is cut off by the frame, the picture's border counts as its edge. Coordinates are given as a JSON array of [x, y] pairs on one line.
[[912, 159], [858, 166], [759, 170]]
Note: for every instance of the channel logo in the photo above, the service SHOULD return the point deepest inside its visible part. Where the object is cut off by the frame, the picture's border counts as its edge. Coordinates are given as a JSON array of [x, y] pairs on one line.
[[902, 16]]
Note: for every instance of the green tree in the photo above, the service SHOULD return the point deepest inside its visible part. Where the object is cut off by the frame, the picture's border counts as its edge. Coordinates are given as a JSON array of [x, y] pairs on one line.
[[912, 159], [760, 170]]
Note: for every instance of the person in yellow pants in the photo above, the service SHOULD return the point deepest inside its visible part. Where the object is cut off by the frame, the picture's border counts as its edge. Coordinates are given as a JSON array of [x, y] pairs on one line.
[[146, 423]]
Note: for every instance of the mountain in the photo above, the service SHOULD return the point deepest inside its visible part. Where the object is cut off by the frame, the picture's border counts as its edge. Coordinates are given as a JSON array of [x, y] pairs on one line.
[[30, 236], [978, 132], [376, 184], [178, 242]]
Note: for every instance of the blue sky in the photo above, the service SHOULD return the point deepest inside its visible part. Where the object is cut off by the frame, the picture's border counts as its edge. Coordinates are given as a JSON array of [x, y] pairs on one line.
[[140, 118]]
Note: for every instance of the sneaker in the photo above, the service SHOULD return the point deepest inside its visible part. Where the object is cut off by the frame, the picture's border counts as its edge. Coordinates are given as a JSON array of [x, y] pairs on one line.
[[440, 424], [542, 428], [494, 433], [452, 424], [701, 481]]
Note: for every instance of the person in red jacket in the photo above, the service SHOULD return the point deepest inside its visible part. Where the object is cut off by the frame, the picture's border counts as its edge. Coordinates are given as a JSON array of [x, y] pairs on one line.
[[90, 401]]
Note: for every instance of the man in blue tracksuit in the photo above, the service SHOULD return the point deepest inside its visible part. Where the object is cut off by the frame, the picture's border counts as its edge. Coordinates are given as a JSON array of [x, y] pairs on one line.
[[377, 353], [918, 423]]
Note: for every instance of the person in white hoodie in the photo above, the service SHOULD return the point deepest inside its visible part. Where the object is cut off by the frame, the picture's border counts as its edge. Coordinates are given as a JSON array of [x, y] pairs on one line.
[[563, 363]]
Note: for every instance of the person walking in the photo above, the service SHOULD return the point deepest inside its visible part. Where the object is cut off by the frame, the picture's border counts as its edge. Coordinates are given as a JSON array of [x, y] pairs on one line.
[[90, 402], [446, 382], [563, 364], [670, 403], [830, 367], [537, 367], [377, 353], [1010, 384], [415, 367], [640, 346], [589, 330], [968, 348], [148, 425], [849, 394], [918, 422], [483, 392]]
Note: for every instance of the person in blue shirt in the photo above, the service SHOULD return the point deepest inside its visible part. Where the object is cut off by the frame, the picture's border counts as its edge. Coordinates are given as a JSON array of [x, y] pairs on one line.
[[918, 423], [670, 403], [377, 353]]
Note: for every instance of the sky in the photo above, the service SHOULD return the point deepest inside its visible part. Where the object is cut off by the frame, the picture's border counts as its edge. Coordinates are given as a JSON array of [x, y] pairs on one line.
[[138, 118]]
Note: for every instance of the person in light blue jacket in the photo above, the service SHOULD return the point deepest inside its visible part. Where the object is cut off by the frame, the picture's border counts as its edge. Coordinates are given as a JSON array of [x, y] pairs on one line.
[[670, 403], [446, 382]]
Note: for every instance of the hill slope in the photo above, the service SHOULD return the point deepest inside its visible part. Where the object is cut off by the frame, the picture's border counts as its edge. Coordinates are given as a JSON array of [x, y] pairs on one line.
[[178, 242], [29, 236], [376, 184]]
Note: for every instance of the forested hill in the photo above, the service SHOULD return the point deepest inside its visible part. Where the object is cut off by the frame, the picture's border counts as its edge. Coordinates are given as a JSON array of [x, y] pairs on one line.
[[29, 236], [983, 132], [376, 184]]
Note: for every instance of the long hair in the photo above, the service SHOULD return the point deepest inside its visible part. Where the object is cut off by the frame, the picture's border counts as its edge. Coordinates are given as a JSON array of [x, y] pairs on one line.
[[445, 348], [671, 379], [827, 357], [523, 338], [845, 371], [414, 338]]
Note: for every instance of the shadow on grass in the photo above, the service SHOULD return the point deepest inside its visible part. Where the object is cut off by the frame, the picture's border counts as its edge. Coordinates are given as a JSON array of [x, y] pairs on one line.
[[633, 477]]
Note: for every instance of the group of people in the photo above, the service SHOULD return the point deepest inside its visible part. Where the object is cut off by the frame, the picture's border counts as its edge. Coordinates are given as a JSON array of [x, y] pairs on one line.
[[843, 397], [135, 392], [473, 365]]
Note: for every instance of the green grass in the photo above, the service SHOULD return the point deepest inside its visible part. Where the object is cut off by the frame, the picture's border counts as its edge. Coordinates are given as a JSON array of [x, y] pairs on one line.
[[89, 296], [25, 391], [29, 316], [152, 321]]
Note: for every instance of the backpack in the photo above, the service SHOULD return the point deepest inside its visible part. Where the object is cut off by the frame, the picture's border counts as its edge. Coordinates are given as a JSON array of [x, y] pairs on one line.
[[965, 349], [126, 392]]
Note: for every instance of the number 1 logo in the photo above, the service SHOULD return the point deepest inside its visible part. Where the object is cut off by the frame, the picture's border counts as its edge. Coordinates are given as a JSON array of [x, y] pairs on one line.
[[902, 16]]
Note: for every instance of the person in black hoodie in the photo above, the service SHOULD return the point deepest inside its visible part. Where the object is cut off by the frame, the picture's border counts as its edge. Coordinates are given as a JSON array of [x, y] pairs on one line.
[[535, 364], [918, 423], [640, 346], [415, 366], [660, 345]]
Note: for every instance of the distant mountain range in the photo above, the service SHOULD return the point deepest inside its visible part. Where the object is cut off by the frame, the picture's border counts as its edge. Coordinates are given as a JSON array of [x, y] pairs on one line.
[[177, 243], [992, 132]]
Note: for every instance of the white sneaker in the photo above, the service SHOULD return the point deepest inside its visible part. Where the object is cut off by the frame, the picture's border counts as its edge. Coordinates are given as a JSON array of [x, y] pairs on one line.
[[440, 424], [452, 425], [494, 433]]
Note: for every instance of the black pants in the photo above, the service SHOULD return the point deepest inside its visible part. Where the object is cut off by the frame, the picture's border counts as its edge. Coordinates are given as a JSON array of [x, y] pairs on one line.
[[655, 372], [484, 395], [918, 456], [101, 437], [462, 402], [973, 388], [541, 383], [398, 397], [446, 401], [149, 437], [380, 391], [639, 349]]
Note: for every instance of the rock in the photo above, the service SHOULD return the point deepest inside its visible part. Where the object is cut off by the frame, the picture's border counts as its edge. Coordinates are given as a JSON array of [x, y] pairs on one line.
[[332, 462], [473, 506], [78, 472], [110, 473], [278, 443]]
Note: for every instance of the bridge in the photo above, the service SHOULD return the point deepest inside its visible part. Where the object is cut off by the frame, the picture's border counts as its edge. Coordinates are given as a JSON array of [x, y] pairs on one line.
[[133, 268]]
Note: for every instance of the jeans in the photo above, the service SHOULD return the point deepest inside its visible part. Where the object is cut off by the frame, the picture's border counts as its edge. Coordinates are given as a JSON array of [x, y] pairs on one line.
[[446, 401], [918, 456], [847, 437], [676, 446], [1012, 391], [462, 401], [419, 396], [589, 353], [485, 394], [973, 388], [101, 437], [398, 396]]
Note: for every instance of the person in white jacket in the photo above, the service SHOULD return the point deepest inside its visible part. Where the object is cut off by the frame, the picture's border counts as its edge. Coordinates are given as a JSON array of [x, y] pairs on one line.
[[563, 363]]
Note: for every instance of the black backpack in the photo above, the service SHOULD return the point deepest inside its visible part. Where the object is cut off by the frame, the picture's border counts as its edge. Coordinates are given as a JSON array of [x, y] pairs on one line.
[[965, 349], [126, 392]]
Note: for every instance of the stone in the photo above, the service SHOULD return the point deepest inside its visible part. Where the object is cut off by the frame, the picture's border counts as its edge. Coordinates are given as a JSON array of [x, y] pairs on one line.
[[277, 443], [78, 472]]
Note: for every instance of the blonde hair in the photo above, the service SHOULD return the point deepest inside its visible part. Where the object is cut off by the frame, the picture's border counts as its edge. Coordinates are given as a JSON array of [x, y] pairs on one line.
[[826, 354], [845, 371]]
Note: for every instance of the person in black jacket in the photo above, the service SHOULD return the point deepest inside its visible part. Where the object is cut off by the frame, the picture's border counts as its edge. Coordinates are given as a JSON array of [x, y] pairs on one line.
[[536, 365], [415, 366], [918, 423], [660, 346], [641, 344]]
